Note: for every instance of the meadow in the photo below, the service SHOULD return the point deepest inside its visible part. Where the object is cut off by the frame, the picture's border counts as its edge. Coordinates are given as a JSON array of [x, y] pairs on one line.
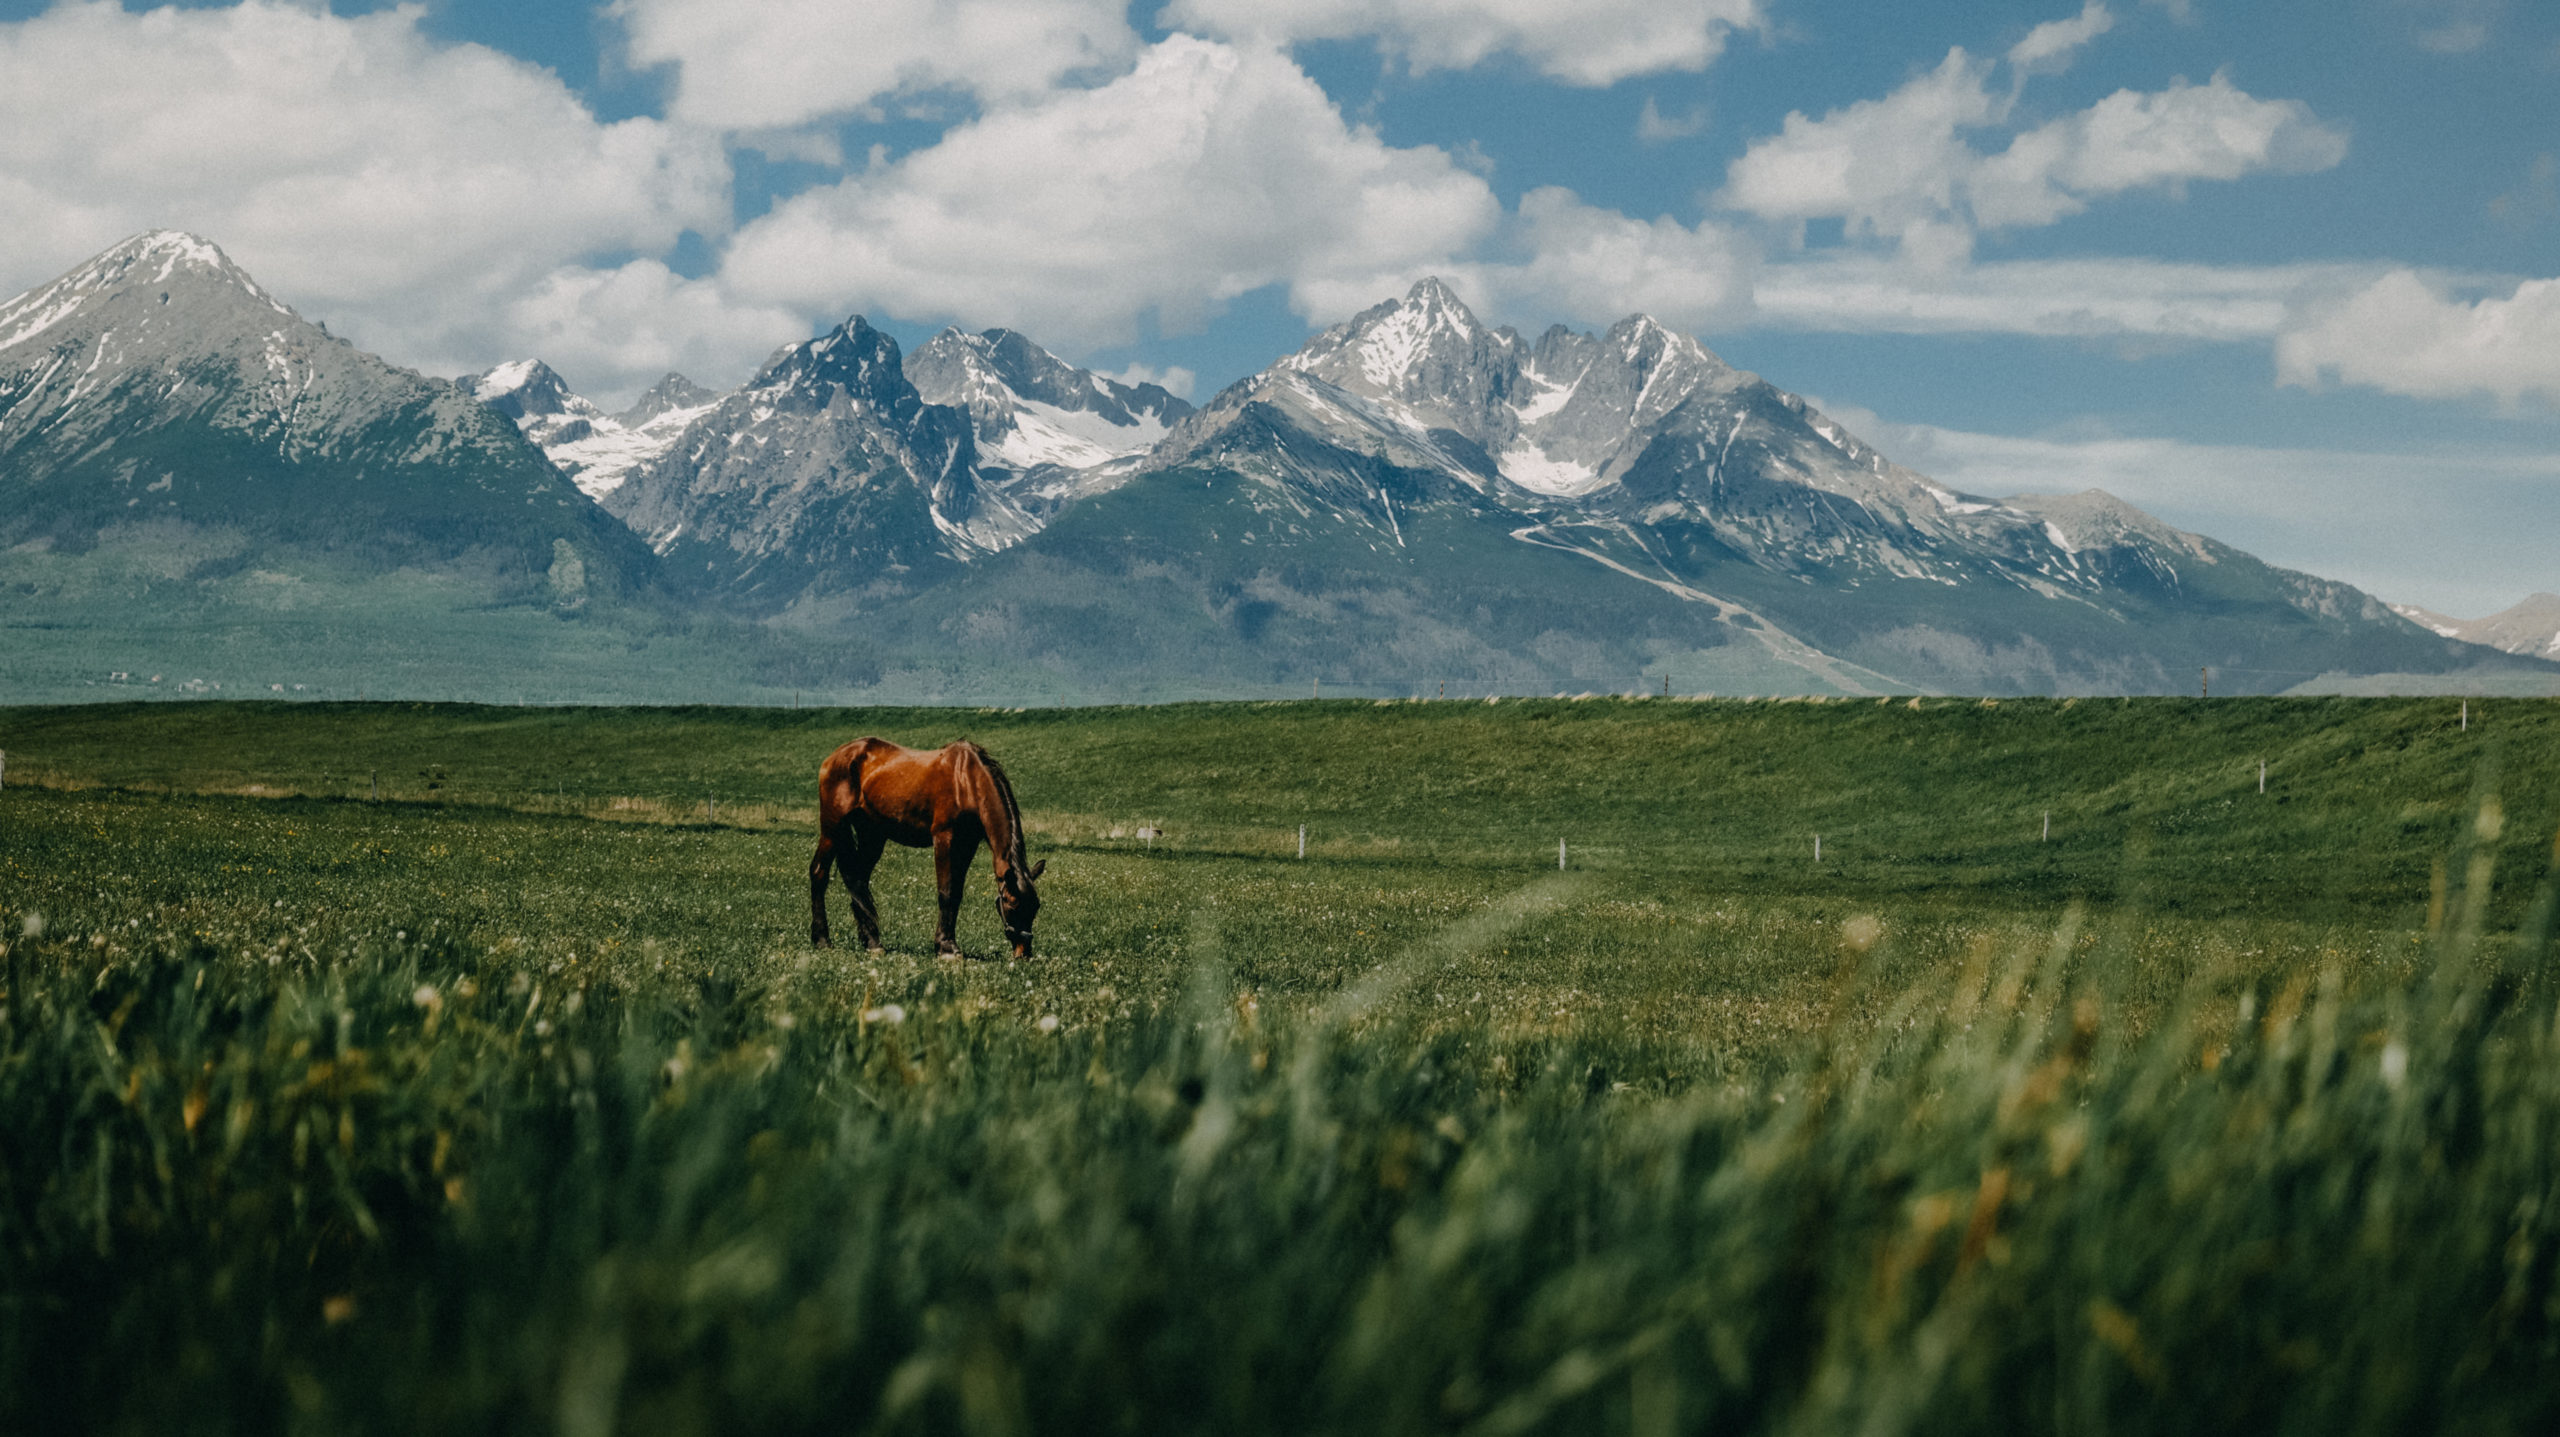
[[448, 1068]]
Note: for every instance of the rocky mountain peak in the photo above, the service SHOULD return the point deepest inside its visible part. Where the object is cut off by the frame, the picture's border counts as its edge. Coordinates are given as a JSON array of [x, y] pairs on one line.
[[148, 271], [853, 360], [595, 449], [158, 381], [528, 388], [667, 396], [826, 473], [1426, 354], [164, 327], [1033, 411], [1419, 346]]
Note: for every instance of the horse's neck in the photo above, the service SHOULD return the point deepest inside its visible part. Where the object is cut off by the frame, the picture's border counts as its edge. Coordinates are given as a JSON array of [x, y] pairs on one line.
[[996, 817]]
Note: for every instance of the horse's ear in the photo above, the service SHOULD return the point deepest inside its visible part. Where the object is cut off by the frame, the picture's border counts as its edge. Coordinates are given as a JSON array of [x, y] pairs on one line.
[[1039, 868]]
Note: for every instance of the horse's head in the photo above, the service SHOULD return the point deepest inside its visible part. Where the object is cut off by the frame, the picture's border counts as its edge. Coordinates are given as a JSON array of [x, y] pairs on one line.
[[1019, 902]]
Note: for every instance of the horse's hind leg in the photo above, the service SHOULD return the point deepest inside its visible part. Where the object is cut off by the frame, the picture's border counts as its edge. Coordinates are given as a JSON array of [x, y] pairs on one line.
[[857, 866], [818, 865]]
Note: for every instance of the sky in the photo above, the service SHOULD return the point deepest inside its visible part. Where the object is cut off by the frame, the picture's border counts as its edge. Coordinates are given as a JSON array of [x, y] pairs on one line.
[[2284, 272]]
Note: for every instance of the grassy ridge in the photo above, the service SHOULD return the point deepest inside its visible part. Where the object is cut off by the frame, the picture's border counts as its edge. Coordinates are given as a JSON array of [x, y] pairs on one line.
[[475, 1109]]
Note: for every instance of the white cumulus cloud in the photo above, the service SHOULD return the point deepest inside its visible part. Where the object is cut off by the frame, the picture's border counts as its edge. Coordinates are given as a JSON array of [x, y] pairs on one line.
[[1208, 171], [405, 190], [611, 332], [1593, 42], [2403, 335], [1903, 164], [2132, 140], [775, 64], [1881, 165], [2050, 46]]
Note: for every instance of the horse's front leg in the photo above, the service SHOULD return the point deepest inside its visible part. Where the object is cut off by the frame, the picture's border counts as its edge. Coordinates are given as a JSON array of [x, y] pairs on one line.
[[818, 866], [952, 853]]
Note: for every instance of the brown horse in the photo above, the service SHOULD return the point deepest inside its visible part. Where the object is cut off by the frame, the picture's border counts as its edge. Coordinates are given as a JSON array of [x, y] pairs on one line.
[[872, 792]]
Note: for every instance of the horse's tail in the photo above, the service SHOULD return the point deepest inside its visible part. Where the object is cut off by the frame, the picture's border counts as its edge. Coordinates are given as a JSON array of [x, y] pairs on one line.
[[1016, 857]]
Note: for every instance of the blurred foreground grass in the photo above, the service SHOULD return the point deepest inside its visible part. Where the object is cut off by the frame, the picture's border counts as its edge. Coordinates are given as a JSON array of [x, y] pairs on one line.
[[469, 1112]]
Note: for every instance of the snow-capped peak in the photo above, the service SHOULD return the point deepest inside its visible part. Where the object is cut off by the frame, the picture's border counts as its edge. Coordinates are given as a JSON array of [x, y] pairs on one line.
[[1392, 348], [509, 377], [1404, 347], [596, 450], [156, 261], [528, 389]]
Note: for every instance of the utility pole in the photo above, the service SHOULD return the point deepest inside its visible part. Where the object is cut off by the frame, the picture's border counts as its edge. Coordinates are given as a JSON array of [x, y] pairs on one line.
[[2204, 683]]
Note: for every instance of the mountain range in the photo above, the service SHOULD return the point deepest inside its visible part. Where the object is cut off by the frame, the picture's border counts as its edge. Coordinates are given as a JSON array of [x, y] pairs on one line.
[[2531, 627], [158, 382], [1412, 499]]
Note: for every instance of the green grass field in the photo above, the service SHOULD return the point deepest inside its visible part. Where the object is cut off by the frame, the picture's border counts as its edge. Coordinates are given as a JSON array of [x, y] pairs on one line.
[[514, 1100]]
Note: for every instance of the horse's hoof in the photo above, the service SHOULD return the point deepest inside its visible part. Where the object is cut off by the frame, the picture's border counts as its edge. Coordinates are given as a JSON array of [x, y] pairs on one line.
[[876, 951]]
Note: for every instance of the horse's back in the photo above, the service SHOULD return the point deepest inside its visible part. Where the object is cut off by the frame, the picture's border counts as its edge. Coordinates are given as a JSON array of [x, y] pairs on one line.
[[888, 782]]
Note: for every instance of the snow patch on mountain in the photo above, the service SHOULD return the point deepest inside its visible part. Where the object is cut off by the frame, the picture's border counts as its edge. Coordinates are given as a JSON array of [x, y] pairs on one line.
[[1073, 438], [1559, 478], [1549, 399], [2430, 620], [1032, 410]]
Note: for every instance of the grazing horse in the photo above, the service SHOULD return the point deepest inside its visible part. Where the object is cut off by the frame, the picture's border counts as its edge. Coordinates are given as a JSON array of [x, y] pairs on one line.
[[872, 792]]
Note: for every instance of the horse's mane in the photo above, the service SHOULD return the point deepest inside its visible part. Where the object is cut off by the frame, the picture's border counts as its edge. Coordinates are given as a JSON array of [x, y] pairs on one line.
[[1015, 856]]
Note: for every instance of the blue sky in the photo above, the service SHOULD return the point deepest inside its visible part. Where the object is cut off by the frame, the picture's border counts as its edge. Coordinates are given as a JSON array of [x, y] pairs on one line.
[[2287, 273]]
